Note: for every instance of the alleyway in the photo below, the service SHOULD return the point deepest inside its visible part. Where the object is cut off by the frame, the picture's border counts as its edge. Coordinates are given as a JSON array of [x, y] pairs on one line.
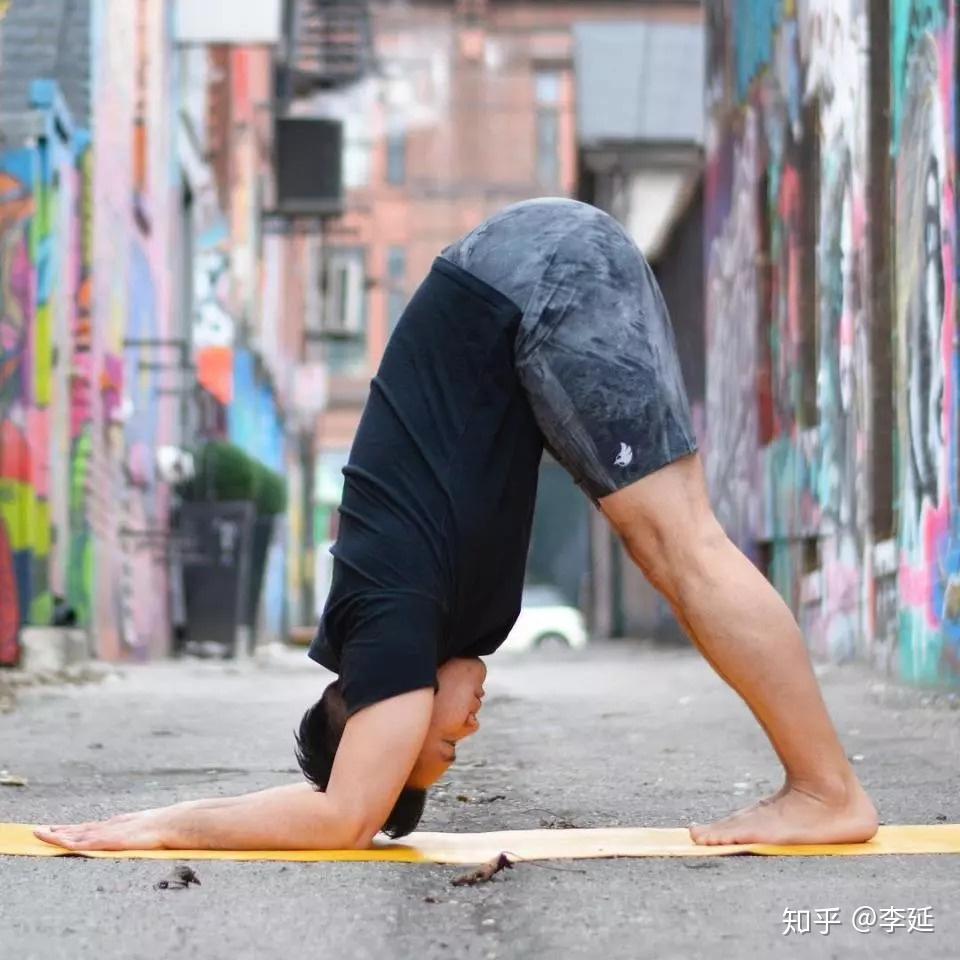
[[629, 735]]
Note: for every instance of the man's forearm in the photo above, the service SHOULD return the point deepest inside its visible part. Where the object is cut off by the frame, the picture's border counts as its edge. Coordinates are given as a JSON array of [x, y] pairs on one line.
[[284, 818], [213, 803]]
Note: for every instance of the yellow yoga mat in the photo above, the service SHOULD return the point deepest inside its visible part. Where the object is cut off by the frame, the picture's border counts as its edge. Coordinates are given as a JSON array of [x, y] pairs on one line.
[[473, 848]]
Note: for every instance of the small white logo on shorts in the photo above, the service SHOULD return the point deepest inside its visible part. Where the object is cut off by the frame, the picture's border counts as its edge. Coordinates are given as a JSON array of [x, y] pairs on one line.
[[624, 457]]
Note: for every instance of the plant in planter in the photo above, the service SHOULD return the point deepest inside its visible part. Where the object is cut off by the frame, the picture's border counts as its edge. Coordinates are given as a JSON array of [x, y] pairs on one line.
[[224, 473]]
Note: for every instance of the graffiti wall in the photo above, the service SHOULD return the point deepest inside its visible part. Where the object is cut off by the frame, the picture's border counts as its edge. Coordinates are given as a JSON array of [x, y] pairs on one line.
[[789, 324], [731, 338], [924, 78], [132, 189], [38, 229], [19, 509], [82, 384], [214, 326], [130, 270]]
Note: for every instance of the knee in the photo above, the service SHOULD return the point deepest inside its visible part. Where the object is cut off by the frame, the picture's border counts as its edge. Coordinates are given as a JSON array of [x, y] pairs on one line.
[[677, 555]]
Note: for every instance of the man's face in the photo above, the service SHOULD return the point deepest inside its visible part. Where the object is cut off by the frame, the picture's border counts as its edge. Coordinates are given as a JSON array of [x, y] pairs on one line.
[[455, 707]]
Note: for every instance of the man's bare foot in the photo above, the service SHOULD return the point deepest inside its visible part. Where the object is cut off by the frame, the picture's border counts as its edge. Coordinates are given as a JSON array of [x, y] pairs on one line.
[[797, 815]]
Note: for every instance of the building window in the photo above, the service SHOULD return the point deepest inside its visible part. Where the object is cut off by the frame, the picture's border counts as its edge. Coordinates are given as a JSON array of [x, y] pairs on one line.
[[344, 311], [548, 84], [357, 151], [396, 284], [547, 90], [396, 153], [356, 164]]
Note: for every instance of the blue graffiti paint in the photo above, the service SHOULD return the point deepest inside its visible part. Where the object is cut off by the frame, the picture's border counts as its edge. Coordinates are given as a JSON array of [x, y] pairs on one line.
[[754, 25], [910, 19]]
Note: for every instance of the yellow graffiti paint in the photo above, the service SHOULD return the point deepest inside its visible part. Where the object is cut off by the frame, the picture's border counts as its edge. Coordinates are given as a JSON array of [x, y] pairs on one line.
[[18, 504], [43, 346], [42, 528]]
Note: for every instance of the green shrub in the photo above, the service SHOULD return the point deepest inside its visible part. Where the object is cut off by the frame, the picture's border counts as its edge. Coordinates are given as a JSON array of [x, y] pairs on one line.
[[226, 472], [272, 494]]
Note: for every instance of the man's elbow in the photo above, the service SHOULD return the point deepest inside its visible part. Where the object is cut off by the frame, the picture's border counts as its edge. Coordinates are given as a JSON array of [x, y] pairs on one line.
[[356, 832], [358, 836]]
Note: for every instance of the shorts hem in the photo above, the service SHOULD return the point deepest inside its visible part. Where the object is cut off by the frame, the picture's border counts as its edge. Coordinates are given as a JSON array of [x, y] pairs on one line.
[[597, 492]]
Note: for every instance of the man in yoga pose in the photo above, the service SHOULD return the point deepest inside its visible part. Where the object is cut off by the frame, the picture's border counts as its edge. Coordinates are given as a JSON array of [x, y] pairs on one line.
[[544, 326]]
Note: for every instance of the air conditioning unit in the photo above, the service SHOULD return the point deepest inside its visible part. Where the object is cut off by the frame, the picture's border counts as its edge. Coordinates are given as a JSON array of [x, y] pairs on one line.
[[309, 167], [343, 297]]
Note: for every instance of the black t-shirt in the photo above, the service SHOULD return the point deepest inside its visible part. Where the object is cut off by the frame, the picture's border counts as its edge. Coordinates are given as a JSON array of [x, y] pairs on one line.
[[438, 497]]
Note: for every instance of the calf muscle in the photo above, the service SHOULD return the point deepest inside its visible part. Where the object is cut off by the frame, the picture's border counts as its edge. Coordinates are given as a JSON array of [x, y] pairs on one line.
[[748, 635]]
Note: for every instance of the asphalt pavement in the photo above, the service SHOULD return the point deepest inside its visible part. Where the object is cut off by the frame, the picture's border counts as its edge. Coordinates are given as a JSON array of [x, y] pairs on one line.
[[627, 734]]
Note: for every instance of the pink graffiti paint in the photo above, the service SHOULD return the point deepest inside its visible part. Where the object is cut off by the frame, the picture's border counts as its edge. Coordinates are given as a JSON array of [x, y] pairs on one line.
[[111, 385], [917, 582], [9, 603], [81, 394], [14, 453], [38, 437]]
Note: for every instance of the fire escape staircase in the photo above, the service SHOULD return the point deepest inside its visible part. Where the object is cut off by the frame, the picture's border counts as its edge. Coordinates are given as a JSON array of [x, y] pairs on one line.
[[329, 44]]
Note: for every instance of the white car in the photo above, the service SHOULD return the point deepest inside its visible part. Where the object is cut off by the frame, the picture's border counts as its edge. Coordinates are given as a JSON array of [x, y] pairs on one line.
[[546, 620]]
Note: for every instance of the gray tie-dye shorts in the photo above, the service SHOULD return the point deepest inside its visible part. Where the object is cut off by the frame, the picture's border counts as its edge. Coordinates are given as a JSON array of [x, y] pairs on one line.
[[595, 350]]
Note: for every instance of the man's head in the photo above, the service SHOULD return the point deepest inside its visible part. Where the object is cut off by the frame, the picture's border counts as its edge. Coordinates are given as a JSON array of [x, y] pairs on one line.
[[456, 704]]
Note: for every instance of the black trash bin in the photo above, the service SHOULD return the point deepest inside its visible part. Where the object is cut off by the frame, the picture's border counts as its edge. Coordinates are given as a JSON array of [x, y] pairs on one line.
[[216, 541]]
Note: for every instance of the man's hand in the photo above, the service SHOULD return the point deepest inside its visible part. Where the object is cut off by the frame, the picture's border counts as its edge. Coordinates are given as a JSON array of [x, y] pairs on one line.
[[379, 748], [147, 830]]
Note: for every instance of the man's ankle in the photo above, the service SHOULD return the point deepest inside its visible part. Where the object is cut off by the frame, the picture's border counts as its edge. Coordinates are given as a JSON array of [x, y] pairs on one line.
[[833, 790]]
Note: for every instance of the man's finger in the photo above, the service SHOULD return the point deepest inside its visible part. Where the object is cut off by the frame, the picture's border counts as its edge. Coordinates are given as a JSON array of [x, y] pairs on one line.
[[48, 836], [83, 840]]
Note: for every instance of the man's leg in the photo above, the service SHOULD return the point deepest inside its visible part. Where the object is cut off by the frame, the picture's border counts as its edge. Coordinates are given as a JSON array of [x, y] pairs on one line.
[[745, 630]]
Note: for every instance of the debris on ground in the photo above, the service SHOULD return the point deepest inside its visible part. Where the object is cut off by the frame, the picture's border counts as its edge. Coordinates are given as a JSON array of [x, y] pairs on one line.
[[6, 696], [464, 798], [179, 879], [505, 861], [557, 823], [8, 779], [485, 873], [552, 820]]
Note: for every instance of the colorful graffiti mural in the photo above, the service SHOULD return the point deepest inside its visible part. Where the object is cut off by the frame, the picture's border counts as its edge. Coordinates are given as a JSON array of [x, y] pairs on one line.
[[117, 256], [925, 274], [789, 402], [214, 328], [35, 251], [16, 310], [732, 346], [38, 239], [80, 568]]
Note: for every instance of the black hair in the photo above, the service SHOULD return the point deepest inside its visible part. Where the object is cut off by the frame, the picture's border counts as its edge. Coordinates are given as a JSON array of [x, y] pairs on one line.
[[317, 741]]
